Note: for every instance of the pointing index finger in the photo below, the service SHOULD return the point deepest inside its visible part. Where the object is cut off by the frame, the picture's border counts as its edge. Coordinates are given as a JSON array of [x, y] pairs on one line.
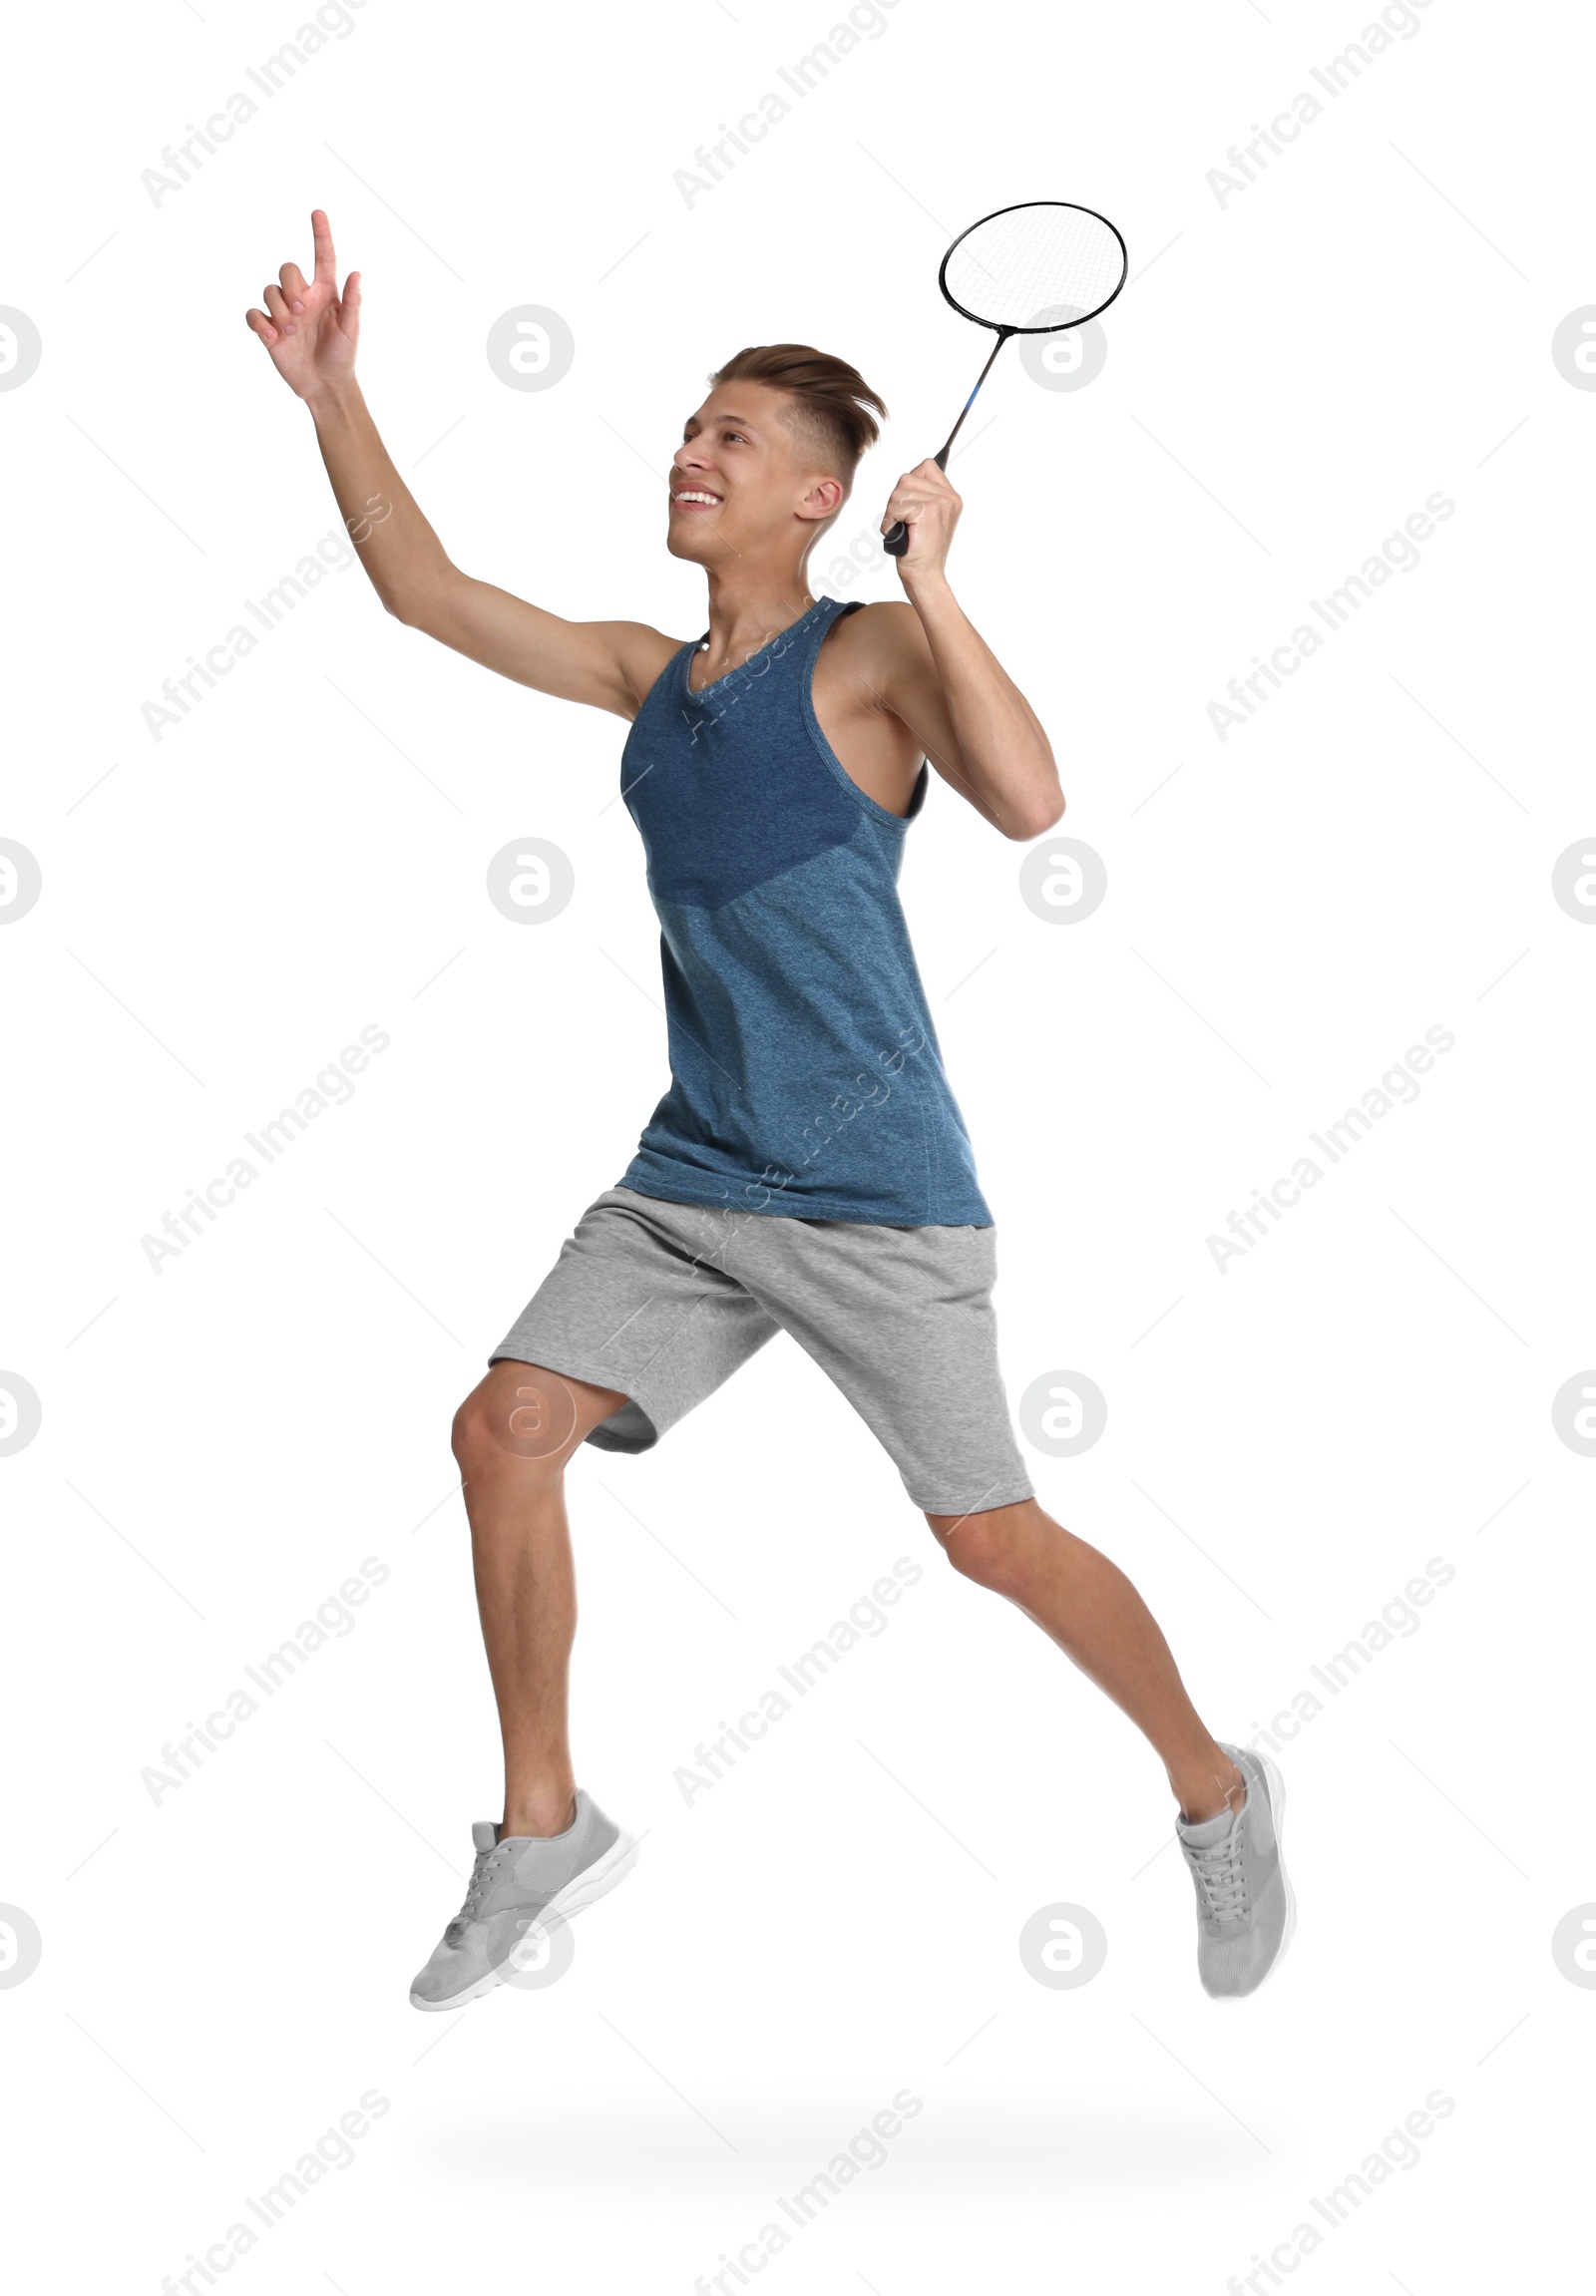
[[321, 234]]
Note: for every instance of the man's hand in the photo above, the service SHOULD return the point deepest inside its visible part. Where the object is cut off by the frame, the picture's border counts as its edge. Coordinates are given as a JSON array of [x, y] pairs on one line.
[[929, 509], [310, 333]]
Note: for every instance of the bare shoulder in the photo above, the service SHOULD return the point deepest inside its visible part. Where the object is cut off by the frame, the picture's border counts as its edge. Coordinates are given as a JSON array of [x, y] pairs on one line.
[[880, 640], [641, 652], [882, 631]]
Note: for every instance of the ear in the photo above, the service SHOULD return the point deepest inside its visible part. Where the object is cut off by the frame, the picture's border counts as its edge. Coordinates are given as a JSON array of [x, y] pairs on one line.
[[823, 499]]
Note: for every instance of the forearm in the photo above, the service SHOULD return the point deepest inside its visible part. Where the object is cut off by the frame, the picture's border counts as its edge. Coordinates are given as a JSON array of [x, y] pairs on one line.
[[1008, 760], [398, 549]]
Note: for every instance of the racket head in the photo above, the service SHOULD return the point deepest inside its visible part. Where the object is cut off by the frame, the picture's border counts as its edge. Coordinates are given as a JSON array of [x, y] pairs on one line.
[[1034, 269]]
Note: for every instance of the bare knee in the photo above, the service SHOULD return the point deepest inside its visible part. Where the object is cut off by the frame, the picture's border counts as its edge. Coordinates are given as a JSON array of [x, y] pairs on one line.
[[519, 1413], [992, 1547]]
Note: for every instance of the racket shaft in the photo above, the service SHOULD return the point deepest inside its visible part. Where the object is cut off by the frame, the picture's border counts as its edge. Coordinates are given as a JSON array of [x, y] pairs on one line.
[[895, 540]]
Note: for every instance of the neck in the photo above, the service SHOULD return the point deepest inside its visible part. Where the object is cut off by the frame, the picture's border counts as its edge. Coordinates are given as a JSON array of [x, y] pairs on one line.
[[750, 604]]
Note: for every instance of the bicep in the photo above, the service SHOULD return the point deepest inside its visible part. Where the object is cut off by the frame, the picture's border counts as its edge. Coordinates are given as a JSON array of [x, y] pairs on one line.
[[607, 664], [908, 684]]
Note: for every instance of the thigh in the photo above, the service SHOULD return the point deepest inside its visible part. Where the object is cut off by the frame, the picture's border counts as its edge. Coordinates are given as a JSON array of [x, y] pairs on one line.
[[639, 1302], [901, 1319]]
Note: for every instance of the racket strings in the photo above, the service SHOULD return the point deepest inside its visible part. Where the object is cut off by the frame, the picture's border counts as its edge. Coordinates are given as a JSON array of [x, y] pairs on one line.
[[1035, 266]]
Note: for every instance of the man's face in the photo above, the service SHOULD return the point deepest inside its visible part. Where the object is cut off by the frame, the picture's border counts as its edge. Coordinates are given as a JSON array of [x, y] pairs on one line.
[[743, 477]]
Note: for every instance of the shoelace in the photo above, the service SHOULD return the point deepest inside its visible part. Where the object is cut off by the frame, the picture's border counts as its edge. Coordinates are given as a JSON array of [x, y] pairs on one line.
[[1221, 1876], [490, 1863]]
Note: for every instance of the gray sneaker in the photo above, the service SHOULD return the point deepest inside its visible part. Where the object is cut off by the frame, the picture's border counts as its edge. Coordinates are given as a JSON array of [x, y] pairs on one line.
[[517, 1884], [1245, 1908]]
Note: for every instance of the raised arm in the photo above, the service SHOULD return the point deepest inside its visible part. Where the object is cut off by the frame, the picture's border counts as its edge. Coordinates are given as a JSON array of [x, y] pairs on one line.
[[937, 674], [311, 333]]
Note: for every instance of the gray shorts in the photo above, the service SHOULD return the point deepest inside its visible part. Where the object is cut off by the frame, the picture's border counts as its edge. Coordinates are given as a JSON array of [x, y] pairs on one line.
[[664, 1300]]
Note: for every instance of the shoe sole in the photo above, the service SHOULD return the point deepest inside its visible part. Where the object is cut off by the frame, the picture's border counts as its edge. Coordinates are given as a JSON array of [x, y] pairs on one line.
[[585, 1889]]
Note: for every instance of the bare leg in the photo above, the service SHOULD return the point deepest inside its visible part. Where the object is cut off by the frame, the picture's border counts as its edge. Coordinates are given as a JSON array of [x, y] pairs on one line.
[[1097, 1619], [512, 1437]]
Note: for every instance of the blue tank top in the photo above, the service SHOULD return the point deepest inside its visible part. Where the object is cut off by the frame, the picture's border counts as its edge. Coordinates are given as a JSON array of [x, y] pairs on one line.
[[806, 1077]]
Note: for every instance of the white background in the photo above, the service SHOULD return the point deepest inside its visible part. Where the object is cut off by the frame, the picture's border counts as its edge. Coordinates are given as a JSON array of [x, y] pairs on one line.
[[1288, 376]]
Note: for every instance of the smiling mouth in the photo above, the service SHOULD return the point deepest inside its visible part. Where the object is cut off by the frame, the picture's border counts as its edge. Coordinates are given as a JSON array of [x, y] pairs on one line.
[[696, 499]]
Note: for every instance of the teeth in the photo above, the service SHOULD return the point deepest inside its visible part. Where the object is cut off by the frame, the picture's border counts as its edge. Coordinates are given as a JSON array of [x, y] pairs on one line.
[[696, 497]]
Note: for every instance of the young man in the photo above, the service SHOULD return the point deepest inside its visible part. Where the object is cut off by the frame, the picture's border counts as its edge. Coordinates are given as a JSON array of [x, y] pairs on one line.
[[808, 1169]]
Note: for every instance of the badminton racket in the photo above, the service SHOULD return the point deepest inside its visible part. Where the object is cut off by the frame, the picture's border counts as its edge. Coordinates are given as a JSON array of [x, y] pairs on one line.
[[1034, 270]]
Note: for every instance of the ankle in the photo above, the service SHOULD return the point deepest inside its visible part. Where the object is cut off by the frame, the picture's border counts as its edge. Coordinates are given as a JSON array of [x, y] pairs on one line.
[[1207, 1786], [538, 1814]]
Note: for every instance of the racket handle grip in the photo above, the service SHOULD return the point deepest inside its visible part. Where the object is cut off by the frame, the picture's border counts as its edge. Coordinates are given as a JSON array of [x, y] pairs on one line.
[[895, 540]]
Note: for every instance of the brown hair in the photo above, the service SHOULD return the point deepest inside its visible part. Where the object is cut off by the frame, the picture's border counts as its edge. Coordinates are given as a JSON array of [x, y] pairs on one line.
[[832, 399]]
